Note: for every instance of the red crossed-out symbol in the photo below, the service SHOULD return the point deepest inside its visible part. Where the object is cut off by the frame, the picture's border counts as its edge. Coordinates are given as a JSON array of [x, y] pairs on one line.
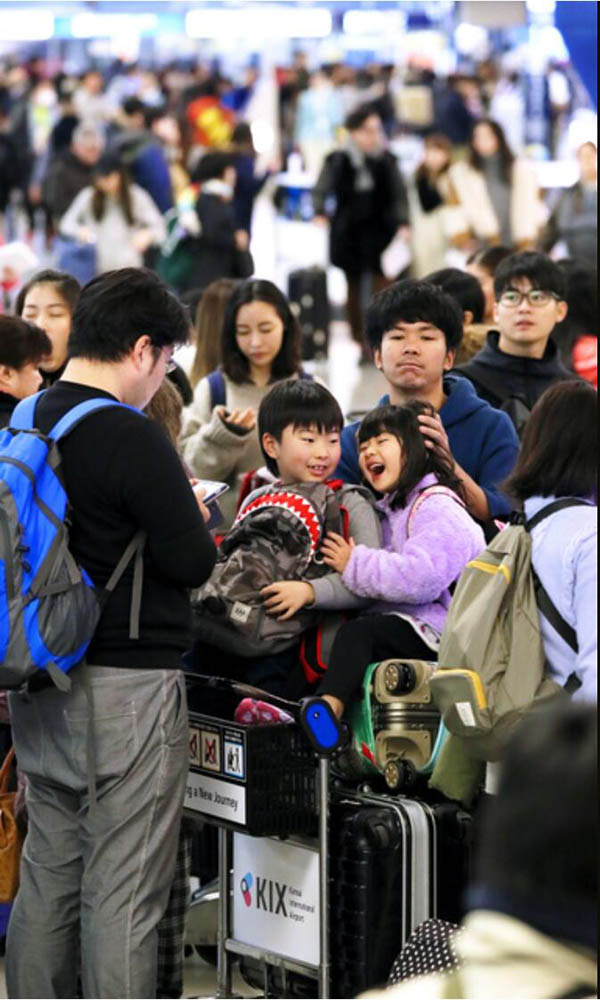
[[210, 751]]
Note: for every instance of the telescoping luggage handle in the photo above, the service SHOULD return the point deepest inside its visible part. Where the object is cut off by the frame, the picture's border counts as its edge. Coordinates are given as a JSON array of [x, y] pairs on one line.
[[314, 715]]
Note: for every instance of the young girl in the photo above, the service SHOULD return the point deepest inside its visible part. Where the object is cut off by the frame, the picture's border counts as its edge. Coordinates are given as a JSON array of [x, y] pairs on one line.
[[260, 344], [427, 538], [48, 300]]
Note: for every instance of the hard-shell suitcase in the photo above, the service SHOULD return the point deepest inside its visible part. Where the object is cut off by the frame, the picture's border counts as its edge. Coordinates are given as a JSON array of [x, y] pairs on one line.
[[307, 292], [395, 862]]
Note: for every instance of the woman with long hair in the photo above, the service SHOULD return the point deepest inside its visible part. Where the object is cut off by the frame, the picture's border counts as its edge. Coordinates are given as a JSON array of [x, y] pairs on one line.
[[497, 193], [208, 321], [118, 217], [558, 461], [48, 300], [260, 344]]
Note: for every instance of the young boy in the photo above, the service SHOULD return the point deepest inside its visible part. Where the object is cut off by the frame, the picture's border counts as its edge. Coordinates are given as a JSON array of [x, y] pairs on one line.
[[299, 424], [519, 360], [414, 330]]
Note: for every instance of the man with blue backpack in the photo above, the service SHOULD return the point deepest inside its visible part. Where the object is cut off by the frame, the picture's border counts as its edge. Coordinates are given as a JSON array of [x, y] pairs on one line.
[[96, 564]]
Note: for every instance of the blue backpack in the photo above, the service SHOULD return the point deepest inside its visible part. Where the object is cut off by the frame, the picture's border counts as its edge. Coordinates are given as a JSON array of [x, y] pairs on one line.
[[49, 607]]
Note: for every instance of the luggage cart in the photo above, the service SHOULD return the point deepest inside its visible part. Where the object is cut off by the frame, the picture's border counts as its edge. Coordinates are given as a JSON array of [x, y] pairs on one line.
[[269, 782]]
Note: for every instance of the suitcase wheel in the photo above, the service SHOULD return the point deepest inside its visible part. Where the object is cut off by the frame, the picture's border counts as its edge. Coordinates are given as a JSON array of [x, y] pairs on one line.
[[399, 678], [399, 775]]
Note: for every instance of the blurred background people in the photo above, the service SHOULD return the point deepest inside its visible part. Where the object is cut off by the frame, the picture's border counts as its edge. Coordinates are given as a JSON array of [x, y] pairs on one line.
[[89, 99], [318, 116], [574, 219], [497, 193], [118, 217], [72, 170], [428, 194], [370, 207], [142, 153], [248, 184], [204, 244]]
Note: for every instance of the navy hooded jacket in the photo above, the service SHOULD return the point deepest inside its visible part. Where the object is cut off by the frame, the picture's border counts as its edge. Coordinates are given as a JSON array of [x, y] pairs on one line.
[[483, 442]]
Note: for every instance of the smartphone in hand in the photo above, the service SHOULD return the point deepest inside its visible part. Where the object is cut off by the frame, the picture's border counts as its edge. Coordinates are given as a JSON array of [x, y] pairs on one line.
[[212, 490]]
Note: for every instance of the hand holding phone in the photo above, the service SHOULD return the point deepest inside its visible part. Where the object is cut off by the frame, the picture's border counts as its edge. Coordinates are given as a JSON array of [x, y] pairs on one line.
[[211, 489]]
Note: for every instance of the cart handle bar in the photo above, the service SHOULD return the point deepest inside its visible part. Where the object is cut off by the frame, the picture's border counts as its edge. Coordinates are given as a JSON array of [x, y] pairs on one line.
[[323, 730]]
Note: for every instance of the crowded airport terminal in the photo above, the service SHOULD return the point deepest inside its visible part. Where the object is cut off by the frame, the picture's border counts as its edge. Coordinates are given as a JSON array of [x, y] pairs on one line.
[[298, 499]]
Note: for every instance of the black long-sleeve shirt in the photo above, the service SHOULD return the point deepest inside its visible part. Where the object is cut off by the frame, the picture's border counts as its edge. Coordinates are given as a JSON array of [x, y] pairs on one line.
[[122, 475]]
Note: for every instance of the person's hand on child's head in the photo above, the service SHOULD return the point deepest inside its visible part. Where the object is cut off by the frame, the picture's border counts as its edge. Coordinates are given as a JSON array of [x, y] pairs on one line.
[[336, 551], [285, 598], [241, 420], [435, 436]]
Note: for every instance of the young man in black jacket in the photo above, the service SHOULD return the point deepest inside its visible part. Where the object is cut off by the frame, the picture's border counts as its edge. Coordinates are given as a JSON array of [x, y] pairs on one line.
[[519, 360], [95, 879], [22, 347]]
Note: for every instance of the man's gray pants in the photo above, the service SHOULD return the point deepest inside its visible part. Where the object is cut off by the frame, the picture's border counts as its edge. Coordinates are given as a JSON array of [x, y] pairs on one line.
[[95, 882]]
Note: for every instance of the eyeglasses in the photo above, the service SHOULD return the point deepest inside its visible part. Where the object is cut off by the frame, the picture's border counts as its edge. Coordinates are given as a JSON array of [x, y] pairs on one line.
[[536, 297]]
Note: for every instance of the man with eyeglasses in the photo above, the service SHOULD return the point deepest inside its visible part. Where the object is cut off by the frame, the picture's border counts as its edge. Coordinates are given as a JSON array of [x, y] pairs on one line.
[[95, 878], [519, 360]]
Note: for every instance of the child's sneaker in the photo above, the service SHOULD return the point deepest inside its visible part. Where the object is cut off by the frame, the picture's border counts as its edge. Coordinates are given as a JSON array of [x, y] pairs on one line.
[[246, 712], [269, 713], [260, 713]]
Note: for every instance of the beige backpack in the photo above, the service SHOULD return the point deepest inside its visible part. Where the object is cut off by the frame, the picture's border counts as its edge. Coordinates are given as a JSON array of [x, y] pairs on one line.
[[492, 667]]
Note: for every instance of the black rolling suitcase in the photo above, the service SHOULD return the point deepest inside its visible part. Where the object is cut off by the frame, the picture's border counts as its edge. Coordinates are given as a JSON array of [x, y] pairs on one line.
[[307, 292], [395, 862]]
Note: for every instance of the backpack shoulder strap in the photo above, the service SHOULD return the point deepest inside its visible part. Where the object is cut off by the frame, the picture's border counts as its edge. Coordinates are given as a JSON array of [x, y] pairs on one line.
[[22, 418], [78, 413], [544, 601], [479, 376], [428, 492], [216, 386], [552, 508]]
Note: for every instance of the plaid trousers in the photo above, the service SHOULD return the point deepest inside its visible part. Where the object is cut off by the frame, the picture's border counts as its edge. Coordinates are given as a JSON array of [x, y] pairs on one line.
[[171, 929]]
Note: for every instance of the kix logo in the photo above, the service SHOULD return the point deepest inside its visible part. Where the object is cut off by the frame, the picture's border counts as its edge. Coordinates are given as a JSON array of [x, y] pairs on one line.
[[246, 887], [270, 895]]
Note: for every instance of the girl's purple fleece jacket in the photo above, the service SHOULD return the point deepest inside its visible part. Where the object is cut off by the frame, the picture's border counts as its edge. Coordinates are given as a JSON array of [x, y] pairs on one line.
[[413, 574]]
